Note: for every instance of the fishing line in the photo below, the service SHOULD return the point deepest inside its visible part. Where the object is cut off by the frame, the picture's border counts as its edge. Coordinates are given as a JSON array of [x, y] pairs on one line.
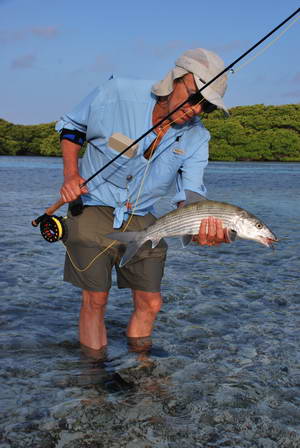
[[153, 145], [131, 215], [52, 227], [259, 53], [190, 98]]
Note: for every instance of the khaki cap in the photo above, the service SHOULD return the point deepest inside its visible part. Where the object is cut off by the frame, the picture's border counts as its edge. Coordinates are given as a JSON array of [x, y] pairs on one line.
[[204, 65]]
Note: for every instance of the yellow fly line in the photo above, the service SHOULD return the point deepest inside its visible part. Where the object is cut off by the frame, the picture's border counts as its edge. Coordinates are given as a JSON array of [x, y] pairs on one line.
[[135, 204], [259, 53]]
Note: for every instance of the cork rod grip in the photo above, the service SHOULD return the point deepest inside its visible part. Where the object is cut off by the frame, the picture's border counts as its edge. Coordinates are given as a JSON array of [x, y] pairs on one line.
[[48, 212], [55, 207]]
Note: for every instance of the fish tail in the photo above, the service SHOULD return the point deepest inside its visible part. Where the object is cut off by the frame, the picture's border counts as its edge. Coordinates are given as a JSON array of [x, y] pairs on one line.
[[134, 241]]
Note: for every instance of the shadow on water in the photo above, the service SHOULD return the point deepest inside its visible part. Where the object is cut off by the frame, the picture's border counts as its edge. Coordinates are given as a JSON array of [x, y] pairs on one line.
[[224, 368]]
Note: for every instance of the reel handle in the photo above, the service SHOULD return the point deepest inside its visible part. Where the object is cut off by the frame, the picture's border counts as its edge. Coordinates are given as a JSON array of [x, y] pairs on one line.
[[48, 212]]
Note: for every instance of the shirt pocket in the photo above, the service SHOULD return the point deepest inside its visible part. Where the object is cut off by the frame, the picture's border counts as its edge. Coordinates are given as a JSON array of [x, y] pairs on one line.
[[165, 168], [173, 156], [117, 172]]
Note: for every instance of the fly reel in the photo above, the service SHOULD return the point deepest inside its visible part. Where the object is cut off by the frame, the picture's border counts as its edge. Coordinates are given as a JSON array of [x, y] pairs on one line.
[[52, 227]]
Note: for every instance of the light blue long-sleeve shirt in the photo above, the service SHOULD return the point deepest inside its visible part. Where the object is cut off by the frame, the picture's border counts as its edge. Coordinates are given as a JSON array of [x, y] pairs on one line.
[[125, 106]]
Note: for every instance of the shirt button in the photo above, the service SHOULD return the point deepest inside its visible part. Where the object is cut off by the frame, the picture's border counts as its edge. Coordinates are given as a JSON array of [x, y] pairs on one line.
[[129, 177]]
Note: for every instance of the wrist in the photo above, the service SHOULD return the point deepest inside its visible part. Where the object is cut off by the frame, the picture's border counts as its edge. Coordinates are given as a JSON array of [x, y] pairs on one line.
[[68, 176]]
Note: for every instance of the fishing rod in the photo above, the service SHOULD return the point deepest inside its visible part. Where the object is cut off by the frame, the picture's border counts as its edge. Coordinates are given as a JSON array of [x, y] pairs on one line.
[[52, 227]]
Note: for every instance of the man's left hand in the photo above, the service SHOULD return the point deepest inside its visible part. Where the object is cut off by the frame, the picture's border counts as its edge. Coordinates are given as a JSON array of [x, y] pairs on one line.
[[211, 232]]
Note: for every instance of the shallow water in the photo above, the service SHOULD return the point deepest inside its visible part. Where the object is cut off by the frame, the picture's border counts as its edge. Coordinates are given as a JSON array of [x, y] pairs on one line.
[[225, 367]]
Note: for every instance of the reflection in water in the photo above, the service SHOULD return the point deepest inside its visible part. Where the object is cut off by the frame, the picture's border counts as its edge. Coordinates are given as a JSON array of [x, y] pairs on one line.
[[140, 345], [223, 368], [89, 354]]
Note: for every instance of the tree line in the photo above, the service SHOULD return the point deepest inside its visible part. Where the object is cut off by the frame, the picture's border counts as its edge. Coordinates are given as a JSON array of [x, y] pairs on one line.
[[258, 133]]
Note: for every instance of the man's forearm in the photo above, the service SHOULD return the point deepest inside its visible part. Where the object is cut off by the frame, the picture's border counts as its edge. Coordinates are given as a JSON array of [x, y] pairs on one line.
[[71, 188], [70, 152]]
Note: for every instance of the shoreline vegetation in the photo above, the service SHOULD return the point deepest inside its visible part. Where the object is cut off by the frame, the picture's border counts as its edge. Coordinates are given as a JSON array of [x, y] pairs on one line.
[[251, 133]]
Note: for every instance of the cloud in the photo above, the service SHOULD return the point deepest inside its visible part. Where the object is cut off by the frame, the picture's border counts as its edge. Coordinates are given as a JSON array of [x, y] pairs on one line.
[[47, 31], [7, 37], [296, 78], [23, 62], [229, 46], [175, 47], [11, 36], [292, 94], [159, 52], [103, 64], [294, 91], [169, 47]]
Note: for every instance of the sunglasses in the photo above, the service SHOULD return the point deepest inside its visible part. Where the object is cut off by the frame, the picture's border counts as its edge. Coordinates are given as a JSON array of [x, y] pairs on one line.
[[197, 98]]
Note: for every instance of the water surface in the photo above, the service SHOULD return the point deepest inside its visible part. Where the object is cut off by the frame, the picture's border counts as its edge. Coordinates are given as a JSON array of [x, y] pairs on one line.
[[225, 366]]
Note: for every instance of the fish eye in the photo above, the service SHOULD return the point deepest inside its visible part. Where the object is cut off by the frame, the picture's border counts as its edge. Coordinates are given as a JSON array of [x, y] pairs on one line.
[[258, 225]]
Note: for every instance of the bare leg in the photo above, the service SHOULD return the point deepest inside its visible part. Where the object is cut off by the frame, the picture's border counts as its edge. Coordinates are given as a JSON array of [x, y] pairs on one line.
[[146, 308], [92, 331]]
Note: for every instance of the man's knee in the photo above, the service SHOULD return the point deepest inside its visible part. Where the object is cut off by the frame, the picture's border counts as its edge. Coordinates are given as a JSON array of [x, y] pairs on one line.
[[148, 301], [94, 300]]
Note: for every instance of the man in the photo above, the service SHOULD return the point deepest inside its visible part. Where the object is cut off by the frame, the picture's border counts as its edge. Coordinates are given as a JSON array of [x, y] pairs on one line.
[[122, 196]]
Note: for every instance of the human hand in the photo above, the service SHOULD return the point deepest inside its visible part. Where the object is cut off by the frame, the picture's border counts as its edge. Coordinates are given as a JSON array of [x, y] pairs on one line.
[[70, 189], [211, 232]]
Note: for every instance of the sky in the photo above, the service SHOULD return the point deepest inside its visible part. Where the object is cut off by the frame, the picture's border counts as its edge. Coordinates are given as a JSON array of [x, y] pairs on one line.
[[53, 53]]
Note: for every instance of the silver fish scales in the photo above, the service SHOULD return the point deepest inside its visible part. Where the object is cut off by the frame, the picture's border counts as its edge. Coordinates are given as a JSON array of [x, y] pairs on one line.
[[185, 222]]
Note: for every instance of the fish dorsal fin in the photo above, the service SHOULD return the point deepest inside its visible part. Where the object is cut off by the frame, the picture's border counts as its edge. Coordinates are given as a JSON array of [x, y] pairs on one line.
[[192, 197]]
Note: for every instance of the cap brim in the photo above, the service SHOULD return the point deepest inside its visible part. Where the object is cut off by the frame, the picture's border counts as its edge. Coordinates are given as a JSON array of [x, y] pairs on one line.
[[165, 86], [211, 95]]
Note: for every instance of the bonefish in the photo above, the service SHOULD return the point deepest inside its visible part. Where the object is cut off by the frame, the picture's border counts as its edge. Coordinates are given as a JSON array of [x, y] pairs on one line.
[[185, 222]]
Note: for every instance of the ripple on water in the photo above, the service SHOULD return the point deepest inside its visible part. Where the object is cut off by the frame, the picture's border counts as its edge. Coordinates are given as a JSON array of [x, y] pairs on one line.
[[225, 369]]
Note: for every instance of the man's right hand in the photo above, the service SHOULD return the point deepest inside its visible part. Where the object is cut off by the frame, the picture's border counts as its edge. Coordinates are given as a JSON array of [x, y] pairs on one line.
[[70, 189], [212, 232]]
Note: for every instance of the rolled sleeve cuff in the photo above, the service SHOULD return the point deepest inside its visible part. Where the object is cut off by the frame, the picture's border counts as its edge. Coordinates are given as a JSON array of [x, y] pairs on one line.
[[63, 123]]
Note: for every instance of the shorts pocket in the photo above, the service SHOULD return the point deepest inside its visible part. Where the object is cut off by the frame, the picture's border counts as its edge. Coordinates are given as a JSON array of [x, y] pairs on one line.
[[159, 252]]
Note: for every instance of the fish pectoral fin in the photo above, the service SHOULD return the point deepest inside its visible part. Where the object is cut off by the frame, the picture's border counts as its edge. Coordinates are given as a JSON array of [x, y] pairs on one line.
[[155, 242], [186, 239]]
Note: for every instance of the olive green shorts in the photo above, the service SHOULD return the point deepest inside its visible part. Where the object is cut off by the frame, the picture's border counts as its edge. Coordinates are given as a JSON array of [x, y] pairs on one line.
[[89, 259]]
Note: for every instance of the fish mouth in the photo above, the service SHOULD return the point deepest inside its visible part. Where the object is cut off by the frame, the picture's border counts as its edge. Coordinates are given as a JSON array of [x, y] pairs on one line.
[[266, 241]]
